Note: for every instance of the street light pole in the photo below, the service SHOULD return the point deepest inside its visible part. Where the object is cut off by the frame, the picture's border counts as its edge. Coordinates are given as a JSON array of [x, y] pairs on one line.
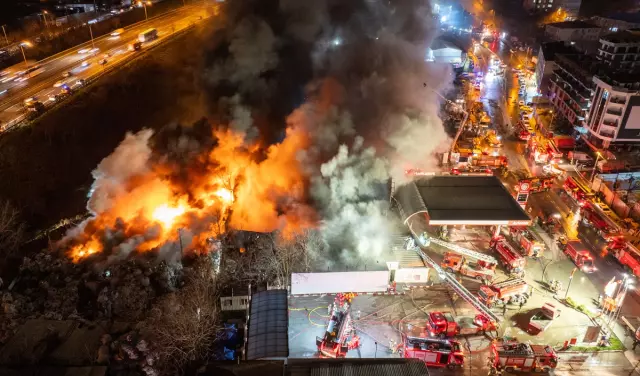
[[91, 33], [593, 170], [144, 5], [23, 55], [569, 284], [5, 34]]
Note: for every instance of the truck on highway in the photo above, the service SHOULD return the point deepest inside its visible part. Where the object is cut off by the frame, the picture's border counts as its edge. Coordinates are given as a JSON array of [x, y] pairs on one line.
[[509, 258], [148, 35], [514, 290], [524, 357], [580, 256], [543, 318], [454, 262], [443, 324]]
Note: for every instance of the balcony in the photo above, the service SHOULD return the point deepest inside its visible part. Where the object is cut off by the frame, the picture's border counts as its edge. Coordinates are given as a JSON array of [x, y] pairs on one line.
[[618, 100], [610, 123], [614, 111]]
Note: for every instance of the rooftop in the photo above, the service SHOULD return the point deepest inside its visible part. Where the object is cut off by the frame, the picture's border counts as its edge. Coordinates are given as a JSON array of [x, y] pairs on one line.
[[550, 49], [268, 325], [625, 16], [474, 200], [626, 36], [574, 25]]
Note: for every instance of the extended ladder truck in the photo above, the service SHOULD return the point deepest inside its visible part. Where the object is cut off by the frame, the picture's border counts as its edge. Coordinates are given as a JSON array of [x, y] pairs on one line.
[[340, 336], [469, 263]]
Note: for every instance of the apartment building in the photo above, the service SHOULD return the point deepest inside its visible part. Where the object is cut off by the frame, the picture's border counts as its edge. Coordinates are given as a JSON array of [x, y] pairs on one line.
[[572, 31], [618, 21], [545, 66], [536, 6], [620, 50], [571, 87], [614, 115]]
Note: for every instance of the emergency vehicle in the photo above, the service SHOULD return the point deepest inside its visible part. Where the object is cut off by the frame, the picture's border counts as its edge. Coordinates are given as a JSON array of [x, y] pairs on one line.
[[433, 352], [580, 256], [443, 324], [603, 225], [479, 269], [523, 132], [340, 336], [514, 356], [510, 259], [513, 290], [529, 243], [578, 191], [537, 184], [626, 254], [489, 161]]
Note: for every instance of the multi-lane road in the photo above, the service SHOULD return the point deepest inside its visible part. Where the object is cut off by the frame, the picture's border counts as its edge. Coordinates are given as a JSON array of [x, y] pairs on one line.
[[80, 63]]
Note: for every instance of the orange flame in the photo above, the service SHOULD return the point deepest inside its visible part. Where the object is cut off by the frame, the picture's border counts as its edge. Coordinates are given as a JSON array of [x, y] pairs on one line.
[[235, 189]]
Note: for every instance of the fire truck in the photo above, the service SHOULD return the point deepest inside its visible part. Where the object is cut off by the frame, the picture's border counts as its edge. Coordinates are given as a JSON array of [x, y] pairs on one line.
[[480, 270], [529, 243], [544, 152], [514, 356], [433, 352], [340, 336], [537, 184], [489, 161], [443, 324], [626, 254], [510, 259], [523, 132], [513, 290], [580, 256], [603, 225], [578, 191]]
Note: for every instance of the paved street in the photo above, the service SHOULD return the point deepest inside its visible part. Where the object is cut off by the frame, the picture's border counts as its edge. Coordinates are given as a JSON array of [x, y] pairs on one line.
[[40, 85]]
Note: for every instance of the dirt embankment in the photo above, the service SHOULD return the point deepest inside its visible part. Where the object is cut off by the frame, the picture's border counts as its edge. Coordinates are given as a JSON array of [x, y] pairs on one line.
[[46, 168]]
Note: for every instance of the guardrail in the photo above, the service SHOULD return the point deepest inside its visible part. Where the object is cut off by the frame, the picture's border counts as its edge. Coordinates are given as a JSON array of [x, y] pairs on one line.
[[24, 119]]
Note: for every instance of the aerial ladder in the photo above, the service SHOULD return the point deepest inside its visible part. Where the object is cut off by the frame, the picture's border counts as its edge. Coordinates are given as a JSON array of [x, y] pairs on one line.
[[453, 282], [340, 335], [426, 240]]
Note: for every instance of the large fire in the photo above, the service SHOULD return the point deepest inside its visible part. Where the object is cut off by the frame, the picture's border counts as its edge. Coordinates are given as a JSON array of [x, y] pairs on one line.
[[145, 203]]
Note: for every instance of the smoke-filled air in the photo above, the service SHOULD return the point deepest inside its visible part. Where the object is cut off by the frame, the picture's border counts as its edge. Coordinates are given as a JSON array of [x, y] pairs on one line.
[[310, 108]]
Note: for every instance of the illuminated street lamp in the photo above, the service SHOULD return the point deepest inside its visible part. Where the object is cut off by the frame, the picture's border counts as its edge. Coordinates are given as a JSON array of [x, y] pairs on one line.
[[91, 22], [22, 45], [627, 283], [593, 170], [5, 34], [144, 5]]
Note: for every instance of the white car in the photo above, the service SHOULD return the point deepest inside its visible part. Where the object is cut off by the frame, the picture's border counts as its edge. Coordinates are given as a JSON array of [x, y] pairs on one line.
[[117, 32], [86, 63], [58, 83], [83, 51]]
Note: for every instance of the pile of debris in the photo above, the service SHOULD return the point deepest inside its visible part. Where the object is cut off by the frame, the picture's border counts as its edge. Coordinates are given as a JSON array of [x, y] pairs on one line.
[[128, 352]]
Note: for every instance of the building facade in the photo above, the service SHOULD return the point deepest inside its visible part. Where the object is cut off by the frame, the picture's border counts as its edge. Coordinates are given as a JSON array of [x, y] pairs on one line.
[[545, 66], [571, 87], [572, 31], [618, 21], [620, 50], [614, 116], [536, 6]]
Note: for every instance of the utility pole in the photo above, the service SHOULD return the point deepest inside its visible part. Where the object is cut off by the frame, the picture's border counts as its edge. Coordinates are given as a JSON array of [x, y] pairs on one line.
[[569, 284], [5, 34]]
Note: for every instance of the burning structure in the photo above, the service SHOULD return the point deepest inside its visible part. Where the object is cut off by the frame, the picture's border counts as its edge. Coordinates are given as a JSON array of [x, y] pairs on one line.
[[370, 111]]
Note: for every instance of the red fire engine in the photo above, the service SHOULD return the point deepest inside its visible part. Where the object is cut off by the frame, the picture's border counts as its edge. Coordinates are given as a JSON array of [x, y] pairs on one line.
[[340, 336], [524, 357], [604, 227], [433, 352], [510, 291], [510, 259], [537, 184], [443, 324], [626, 254], [529, 243], [580, 256], [544, 152], [523, 132], [480, 269], [578, 191]]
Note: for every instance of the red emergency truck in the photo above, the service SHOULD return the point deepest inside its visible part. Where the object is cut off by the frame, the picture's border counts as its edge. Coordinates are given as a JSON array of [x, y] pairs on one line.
[[578, 191], [433, 352], [478, 269], [514, 356], [514, 290], [510, 259], [580, 256], [529, 243], [626, 254], [443, 324]]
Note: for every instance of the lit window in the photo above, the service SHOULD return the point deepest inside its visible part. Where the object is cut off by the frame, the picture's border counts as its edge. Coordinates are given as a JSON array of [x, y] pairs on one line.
[[614, 29]]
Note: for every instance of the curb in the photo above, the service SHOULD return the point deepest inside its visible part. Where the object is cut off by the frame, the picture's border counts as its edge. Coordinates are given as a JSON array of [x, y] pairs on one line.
[[359, 293]]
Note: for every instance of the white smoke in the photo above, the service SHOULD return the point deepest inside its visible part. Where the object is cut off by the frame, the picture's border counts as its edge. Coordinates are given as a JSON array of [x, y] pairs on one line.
[[129, 159]]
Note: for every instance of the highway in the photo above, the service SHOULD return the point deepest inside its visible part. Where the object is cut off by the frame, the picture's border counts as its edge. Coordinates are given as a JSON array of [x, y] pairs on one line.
[[79, 63]]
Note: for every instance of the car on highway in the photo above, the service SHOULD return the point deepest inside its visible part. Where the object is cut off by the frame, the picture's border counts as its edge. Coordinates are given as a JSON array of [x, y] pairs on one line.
[[83, 50], [85, 63], [4, 92], [67, 74], [30, 100], [59, 83], [103, 61], [81, 82], [54, 97], [117, 32]]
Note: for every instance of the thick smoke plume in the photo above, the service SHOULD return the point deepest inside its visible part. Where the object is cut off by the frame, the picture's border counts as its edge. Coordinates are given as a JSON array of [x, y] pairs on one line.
[[339, 90]]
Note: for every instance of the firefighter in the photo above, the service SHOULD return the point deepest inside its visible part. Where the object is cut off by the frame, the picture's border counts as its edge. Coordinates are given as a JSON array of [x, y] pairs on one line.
[[392, 345], [504, 309], [329, 309], [358, 314]]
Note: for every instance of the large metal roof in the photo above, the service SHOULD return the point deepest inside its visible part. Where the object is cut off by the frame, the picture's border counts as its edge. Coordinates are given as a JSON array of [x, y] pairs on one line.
[[458, 200], [268, 325]]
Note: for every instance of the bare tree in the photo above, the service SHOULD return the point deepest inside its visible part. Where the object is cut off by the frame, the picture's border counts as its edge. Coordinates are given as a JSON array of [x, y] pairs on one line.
[[184, 325], [294, 254], [11, 230]]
